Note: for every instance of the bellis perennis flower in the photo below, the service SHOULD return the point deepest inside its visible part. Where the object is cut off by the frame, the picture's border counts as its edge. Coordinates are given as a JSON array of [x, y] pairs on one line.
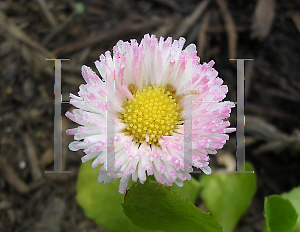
[[149, 112]]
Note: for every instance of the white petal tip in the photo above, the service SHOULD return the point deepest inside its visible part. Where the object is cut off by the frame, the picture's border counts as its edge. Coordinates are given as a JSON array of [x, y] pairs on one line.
[[206, 170], [122, 191], [103, 178]]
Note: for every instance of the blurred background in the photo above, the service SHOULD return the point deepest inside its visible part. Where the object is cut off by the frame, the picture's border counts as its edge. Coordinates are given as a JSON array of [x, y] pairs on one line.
[[32, 30]]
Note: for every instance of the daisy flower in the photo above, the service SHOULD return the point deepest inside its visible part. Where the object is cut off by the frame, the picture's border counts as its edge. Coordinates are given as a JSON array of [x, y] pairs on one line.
[[153, 83]]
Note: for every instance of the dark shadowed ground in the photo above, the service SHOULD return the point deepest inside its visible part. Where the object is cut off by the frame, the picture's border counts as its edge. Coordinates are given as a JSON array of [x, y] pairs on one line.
[[30, 31]]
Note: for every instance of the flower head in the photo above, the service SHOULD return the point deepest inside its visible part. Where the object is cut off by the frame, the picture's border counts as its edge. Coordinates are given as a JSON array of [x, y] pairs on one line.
[[152, 82]]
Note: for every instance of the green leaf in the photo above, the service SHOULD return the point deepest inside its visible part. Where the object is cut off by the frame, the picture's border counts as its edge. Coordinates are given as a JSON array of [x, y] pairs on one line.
[[154, 206], [228, 195], [102, 203], [280, 214], [294, 197], [190, 189]]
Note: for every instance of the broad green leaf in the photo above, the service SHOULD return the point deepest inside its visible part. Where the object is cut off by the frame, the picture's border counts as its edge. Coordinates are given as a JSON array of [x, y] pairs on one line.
[[154, 206], [190, 189], [102, 203], [280, 214], [294, 197], [228, 195]]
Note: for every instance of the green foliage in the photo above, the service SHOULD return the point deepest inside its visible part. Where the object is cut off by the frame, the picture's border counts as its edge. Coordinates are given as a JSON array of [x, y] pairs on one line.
[[280, 214], [294, 197], [154, 206], [102, 203], [228, 195], [190, 189]]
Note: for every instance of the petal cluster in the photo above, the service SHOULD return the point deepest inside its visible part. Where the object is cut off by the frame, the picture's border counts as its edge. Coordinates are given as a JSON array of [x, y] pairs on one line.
[[153, 62]]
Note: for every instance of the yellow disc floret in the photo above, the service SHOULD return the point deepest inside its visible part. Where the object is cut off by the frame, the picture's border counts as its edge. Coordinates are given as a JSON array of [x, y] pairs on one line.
[[153, 112]]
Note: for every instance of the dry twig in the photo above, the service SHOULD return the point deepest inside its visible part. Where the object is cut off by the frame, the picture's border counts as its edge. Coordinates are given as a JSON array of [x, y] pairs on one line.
[[18, 34], [53, 215], [263, 18], [122, 29], [172, 4], [191, 19], [276, 140], [167, 26], [230, 28], [58, 29], [51, 19], [33, 160], [202, 33], [12, 178], [295, 16]]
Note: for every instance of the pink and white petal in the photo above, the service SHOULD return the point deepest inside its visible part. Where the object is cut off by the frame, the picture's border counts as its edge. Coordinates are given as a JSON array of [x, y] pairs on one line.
[[77, 145], [102, 177], [206, 170], [141, 174], [124, 185], [89, 156]]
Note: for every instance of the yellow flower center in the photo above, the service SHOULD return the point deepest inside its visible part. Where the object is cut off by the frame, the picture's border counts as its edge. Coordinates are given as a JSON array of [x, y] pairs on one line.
[[153, 112]]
